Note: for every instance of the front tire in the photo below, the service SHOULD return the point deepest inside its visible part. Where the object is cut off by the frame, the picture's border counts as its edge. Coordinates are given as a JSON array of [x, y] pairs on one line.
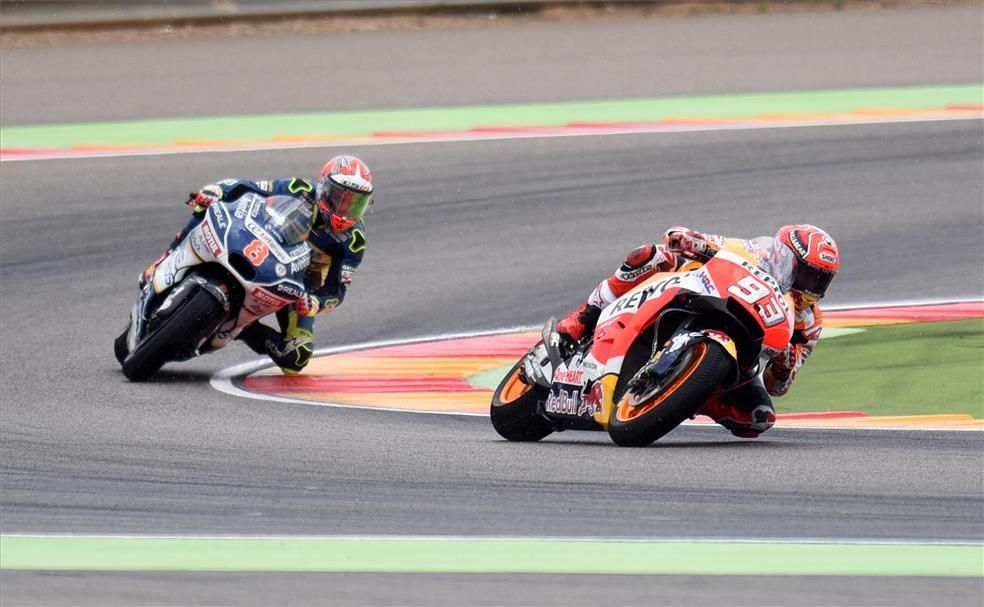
[[700, 371], [514, 409], [199, 310], [119, 346]]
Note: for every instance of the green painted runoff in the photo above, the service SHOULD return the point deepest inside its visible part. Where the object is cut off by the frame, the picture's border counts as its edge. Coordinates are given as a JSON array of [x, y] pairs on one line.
[[364, 123], [435, 555]]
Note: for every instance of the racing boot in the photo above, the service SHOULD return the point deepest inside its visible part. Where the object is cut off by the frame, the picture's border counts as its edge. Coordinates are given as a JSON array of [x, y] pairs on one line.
[[291, 350], [576, 325], [747, 410], [743, 423]]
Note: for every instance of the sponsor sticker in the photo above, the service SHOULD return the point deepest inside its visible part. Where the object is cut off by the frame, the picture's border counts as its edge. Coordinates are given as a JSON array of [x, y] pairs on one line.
[[220, 216], [575, 378], [591, 405], [241, 209], [346, 274], [563, 402], [631, 275], [267, 300], [705, 281], [210, 240], [299, 264], [637, 299], [290, 290], [720, 336]]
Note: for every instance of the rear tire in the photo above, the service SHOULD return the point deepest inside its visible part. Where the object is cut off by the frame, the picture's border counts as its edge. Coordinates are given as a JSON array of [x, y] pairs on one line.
[[514, 409], [199, 310], [706, 365]]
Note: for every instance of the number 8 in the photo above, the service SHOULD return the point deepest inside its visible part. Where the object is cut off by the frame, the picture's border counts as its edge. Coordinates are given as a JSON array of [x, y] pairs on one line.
[[256, 252]]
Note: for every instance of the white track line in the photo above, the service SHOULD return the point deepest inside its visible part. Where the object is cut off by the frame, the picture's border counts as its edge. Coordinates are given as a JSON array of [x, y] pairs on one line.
[[498, 538], [223, 380], [471, 138]]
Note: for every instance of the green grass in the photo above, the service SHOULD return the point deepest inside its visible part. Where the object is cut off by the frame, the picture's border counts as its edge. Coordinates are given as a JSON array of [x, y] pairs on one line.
[[912, 369]]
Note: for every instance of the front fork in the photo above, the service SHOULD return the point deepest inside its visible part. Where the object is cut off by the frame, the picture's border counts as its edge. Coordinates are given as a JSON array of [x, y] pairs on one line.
[[664, 359], [143, 310]]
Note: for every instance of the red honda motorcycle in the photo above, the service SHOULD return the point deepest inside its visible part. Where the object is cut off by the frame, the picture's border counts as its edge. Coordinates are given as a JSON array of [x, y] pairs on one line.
[[657, 353]]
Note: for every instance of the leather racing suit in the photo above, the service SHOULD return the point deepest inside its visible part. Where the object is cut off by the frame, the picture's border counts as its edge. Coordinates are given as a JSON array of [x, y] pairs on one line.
[[334, 259]]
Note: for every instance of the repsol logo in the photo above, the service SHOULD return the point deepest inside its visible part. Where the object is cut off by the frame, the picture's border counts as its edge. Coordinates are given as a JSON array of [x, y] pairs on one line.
[[637, 299]]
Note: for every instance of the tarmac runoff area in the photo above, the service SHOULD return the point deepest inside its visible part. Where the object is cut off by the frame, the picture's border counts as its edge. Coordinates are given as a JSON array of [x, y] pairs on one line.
[[457, 374]]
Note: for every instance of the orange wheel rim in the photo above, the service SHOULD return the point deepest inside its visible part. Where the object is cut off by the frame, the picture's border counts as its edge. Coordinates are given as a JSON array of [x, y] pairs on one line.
[[626, 412], [514, 388]]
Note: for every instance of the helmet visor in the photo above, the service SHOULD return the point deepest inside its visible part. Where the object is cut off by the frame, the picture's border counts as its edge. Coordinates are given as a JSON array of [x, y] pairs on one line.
[[343, 201], [810, 280]]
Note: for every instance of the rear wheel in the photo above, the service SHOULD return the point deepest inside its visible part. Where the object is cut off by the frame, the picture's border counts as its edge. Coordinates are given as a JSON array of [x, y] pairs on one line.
[[199, 310], [639, 419], [514, 409]]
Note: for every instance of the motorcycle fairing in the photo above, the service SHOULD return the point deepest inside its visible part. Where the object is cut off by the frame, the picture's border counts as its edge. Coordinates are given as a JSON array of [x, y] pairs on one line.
[[269, 281], [622, 322]]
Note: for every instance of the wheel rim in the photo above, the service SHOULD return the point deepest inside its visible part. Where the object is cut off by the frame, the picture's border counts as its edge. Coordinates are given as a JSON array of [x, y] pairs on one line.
[[626, 412], [513, 389]]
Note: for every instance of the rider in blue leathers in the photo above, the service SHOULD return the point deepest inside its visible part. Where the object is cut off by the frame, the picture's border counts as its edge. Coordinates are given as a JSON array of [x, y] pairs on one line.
[[341, 195]]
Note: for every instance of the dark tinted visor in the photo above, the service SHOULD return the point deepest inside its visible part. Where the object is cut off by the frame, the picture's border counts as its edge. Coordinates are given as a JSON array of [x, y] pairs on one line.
[[810, 280]]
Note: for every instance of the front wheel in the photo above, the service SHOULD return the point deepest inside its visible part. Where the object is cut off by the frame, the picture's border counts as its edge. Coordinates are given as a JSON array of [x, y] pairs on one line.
[[697, 373], [514, 409], [198, 311]]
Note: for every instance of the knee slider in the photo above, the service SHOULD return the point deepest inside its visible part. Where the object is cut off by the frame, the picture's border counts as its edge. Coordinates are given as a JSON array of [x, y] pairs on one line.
[[639, 257]]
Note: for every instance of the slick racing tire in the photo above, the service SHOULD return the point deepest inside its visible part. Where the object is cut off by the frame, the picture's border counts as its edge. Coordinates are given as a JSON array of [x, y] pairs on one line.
[[698, 372], [514, 413], [199, 310]]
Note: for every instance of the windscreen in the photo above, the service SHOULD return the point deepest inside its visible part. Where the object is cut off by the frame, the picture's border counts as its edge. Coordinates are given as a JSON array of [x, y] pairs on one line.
[[776, 259], [289, 217]]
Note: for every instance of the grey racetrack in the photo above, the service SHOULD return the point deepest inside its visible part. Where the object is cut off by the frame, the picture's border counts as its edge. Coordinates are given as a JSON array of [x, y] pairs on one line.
[[471, 236]]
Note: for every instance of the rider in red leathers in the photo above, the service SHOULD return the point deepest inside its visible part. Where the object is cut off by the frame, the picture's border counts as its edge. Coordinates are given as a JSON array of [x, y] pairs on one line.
[[804, 260]]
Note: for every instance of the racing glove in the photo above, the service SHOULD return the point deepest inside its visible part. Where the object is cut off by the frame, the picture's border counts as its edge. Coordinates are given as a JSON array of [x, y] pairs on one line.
[[200, 200], [782, 369], [689, 243], [307, 305]]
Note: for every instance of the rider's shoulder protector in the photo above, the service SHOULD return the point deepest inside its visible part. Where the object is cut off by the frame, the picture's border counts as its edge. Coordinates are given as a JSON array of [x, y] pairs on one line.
[[294, 186]]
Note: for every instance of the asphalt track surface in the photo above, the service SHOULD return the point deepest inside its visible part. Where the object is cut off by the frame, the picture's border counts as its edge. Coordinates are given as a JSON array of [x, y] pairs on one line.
[[469, 236]]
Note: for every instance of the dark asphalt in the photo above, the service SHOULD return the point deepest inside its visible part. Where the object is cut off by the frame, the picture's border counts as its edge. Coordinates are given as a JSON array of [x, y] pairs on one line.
[[457, 242], [455, 590], [487, 63], [470, 236]]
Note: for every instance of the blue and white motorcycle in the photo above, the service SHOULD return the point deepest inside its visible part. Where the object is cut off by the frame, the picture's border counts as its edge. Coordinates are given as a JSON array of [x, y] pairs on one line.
[[245, 260]]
